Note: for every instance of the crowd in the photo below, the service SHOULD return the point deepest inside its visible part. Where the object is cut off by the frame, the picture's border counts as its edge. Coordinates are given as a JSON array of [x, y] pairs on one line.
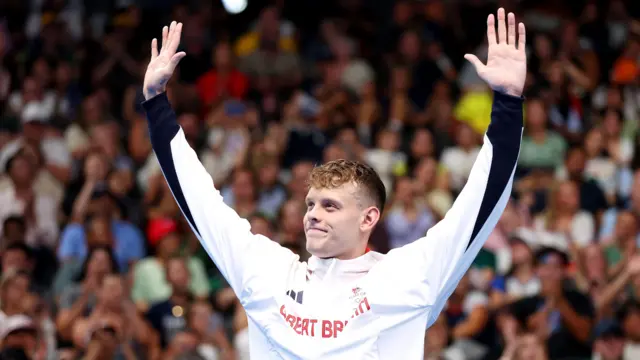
[[98, 263]]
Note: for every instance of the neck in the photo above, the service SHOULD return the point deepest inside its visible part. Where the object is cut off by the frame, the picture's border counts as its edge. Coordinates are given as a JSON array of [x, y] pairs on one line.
[[244, 202], [22, 188], [354, 253], [537, 133], [180, 297], [408, 205], [523, 272], [163, 258], [467, 147], [11, 309], [564, 213]]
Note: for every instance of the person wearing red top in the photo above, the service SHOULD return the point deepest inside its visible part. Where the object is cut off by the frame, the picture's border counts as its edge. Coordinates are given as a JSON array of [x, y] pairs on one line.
[[223, 80]]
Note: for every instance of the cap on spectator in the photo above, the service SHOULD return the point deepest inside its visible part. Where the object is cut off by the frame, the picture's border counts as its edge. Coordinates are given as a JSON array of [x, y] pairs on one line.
[[16, 323], [34, 112], [159, 228], [542, 255], [607, 328], [517, 239]]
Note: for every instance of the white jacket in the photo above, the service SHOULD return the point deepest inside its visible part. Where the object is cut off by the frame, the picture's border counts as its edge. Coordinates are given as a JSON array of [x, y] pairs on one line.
[[372, 307]]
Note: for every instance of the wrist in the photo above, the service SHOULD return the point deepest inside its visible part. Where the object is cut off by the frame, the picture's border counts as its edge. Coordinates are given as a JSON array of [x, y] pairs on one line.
[[511, 92], [151, 92]]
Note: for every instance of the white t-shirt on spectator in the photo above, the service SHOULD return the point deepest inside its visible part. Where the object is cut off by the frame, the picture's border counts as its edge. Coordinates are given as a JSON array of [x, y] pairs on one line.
[[582, 232], [45, 230], [459, 163]]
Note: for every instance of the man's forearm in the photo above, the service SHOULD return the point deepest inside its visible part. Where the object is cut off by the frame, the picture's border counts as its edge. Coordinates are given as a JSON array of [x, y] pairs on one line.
[[577, 324]]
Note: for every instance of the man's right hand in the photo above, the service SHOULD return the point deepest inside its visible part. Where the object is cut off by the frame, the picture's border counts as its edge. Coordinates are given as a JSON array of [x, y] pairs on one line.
[[163, 63]]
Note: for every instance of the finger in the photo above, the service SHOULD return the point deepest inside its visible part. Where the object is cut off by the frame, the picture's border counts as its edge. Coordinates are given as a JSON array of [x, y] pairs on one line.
[[165, 34], [511, 19], [502, 27], [175, 37], [475, 62], [154, 48], [172, 29], [491, 29], [522, 37], [175, 59]]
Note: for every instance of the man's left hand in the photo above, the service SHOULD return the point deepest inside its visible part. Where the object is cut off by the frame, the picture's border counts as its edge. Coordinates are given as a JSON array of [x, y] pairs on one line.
[[506, 68]]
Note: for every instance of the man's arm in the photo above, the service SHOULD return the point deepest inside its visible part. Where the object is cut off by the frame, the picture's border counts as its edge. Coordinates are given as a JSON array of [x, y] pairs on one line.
[[428, 270], [241, 256]]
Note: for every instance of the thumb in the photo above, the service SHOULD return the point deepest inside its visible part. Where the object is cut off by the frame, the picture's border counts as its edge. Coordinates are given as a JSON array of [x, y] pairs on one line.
[[175, 59], [475, 61]]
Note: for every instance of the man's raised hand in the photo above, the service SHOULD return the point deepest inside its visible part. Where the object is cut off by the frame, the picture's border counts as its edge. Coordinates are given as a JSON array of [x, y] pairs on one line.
[[506, 68], [163, 63]]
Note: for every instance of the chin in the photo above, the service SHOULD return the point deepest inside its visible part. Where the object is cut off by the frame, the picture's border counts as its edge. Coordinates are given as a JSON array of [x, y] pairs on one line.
[[318, 247]]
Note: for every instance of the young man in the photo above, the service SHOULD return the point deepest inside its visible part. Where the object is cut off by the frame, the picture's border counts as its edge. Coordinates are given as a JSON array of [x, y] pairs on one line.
[[346, 302]]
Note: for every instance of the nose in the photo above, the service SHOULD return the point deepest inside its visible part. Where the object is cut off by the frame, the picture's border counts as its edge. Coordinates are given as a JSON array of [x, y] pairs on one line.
[[312, 215]]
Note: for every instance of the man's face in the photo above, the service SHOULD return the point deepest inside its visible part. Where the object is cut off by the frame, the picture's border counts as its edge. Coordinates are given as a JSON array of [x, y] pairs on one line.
[[243, 186], [21, 170], [551, 270], [610, 347], [334, 222], [112, 291], [178, 274], [15, 289], [14, 259], [13, 231], [261, 226]]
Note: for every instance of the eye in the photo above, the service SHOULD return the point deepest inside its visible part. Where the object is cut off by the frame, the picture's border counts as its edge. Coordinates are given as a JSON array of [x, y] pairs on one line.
[[330, 206]]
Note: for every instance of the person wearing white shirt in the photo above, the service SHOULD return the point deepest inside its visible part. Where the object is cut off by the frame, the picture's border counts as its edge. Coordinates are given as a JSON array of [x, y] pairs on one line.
[[345, 302]]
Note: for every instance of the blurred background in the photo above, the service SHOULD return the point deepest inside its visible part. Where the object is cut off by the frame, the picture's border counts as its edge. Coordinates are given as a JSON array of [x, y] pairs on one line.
[[98, 263]]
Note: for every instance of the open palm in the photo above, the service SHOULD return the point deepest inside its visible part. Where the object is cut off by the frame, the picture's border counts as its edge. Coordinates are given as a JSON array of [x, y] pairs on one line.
[[506, 68], [164, 62]]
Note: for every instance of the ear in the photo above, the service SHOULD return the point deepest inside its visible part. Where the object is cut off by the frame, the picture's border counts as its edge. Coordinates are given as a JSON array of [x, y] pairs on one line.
[[370, 217]]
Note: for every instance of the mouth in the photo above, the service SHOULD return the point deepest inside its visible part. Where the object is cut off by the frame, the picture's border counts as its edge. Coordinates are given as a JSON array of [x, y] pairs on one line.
[[316, 230]]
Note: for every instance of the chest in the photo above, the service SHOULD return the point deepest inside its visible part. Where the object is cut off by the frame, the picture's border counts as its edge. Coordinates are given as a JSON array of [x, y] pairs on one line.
[[319, 321]]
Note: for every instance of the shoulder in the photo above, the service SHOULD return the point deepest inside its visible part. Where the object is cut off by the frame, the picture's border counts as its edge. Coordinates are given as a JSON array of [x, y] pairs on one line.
[[148, 264]]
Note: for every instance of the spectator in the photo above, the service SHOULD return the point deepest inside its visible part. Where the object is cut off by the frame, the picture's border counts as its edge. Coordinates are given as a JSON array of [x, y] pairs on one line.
[[408, 218], [19, 334], [521, 281], [150, 284], [224, 80], [541, 149], [79, 298], [117, 315], [562, 318], [609, 341], [563, 222], [21, 199]]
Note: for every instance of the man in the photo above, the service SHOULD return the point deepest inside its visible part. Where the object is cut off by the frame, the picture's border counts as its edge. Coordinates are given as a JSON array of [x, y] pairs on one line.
[[345, 302], [560, 316], [19, 332]]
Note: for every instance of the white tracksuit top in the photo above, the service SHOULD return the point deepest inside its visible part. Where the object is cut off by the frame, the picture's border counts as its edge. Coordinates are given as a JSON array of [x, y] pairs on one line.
[[372, 307]]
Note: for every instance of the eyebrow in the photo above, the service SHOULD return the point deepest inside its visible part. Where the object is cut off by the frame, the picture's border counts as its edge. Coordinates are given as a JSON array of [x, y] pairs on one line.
[[324, 201]]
